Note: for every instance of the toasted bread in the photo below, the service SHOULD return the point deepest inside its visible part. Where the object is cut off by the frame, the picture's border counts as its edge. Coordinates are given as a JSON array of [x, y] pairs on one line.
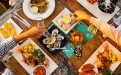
[[9, 28], [4, 33]]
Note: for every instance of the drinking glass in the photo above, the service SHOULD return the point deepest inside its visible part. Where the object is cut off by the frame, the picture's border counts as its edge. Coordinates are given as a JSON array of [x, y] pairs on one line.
[[39, 21], [92, 29]]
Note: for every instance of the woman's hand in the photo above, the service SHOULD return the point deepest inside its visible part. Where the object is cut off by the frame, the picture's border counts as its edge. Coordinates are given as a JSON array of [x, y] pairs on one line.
[[81, 15], [36, 31]]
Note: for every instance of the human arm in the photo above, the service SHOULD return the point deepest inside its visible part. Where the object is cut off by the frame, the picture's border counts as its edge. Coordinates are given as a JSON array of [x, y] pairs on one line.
[[6, 45], [11, 42], [35, 32], [104, 27]]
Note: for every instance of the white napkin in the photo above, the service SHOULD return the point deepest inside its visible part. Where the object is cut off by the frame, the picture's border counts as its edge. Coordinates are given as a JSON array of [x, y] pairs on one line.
[[12, 2]]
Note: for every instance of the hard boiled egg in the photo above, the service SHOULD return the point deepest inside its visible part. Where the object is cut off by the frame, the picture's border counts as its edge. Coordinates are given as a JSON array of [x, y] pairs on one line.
[[34, 9]]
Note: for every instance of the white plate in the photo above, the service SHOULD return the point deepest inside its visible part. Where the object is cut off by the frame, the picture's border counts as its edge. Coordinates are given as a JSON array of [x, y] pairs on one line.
[[16, 27], [92, 59], [29, 69], [96, 11], [61, 15], [29, 14]]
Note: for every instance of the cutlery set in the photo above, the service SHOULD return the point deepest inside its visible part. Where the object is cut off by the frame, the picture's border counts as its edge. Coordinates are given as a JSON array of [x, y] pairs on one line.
[[22, 19], [21, 22]]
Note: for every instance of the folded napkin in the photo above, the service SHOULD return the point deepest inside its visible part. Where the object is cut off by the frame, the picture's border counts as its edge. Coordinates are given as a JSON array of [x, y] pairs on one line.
[[12, 2]]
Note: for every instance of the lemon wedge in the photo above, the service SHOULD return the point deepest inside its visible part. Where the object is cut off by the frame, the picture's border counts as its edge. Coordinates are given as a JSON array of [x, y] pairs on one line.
[[66, 19], [53, 40], [119, 57]]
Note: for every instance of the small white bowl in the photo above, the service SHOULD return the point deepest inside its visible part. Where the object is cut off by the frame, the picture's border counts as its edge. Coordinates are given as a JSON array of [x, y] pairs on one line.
[[37, 67]]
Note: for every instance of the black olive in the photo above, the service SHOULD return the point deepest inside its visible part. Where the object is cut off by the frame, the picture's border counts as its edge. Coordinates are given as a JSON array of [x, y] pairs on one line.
[[36, 62]]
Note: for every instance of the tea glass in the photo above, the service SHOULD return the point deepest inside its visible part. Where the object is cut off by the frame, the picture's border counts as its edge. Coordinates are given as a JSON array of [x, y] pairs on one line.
[[92, 29], [39, 21]]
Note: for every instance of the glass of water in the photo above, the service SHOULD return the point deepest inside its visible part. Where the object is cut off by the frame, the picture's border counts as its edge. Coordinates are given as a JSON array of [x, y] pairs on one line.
[[39, 21]]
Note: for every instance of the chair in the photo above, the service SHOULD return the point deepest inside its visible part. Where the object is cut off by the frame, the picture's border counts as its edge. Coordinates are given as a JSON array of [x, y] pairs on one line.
[[3, 9]]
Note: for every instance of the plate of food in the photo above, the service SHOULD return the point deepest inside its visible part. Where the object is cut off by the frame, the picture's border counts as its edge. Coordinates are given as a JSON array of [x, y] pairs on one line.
[[99, 6], [30, 55], [9, 28], [53, 40], [38, 8], [65, 21], [105, 59]]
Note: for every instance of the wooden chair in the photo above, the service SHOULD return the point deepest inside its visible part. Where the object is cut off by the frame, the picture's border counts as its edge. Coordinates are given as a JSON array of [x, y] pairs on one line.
[[2, 9]]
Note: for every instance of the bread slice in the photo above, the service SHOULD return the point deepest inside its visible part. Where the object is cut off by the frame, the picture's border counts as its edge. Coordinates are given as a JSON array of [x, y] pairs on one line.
[[4, 33]]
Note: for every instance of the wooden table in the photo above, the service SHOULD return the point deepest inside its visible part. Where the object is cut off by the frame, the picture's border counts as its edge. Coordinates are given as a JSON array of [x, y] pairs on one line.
[[87, 49]]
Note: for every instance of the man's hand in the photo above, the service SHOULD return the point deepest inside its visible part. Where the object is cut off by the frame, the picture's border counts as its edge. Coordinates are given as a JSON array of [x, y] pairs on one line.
[[81, 15]]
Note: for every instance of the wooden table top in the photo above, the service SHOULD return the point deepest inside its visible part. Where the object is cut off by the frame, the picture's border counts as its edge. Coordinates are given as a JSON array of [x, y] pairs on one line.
[[87, 49]]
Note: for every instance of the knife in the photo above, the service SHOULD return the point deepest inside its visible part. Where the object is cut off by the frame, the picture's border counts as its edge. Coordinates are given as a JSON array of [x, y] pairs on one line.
[[19, 23], [22, 20]]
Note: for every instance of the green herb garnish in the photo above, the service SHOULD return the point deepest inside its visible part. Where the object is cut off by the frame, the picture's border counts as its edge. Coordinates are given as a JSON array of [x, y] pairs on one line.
[[38, 53], [107, 71]]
